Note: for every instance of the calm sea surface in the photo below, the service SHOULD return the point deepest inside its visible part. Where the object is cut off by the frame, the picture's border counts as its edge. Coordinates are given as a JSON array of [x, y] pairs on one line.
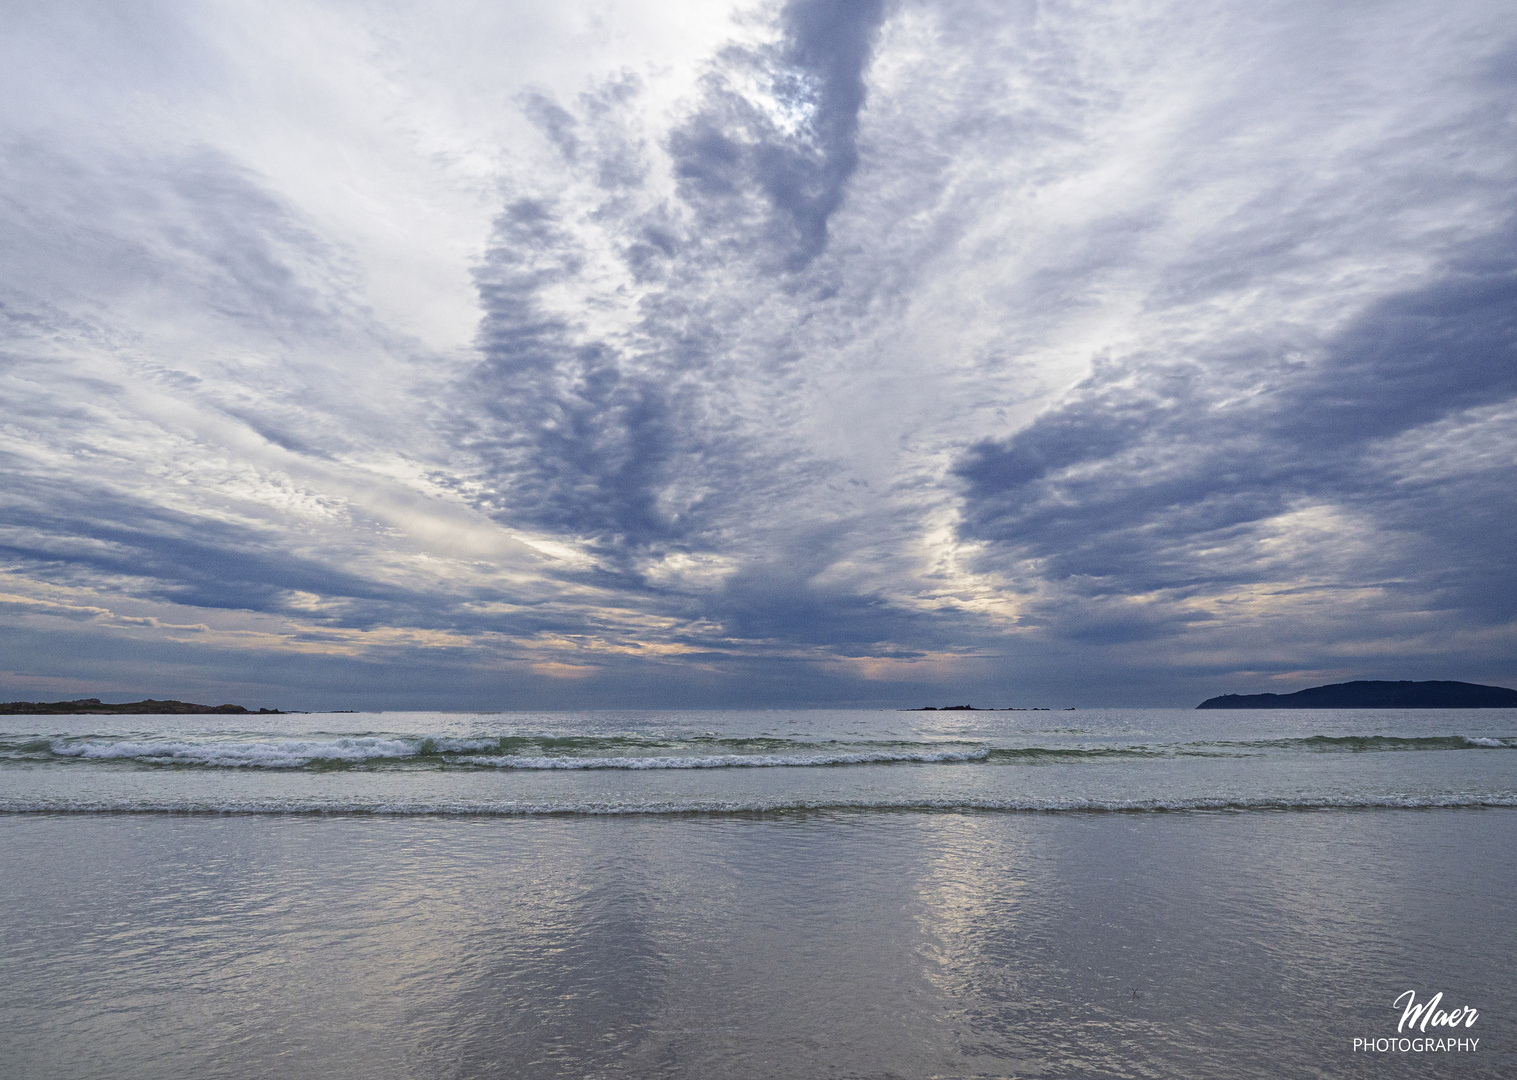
[[1101, 893]]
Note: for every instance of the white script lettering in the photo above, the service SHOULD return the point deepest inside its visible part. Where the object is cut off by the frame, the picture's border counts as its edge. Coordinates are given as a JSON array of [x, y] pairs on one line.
[[1429, 1013]]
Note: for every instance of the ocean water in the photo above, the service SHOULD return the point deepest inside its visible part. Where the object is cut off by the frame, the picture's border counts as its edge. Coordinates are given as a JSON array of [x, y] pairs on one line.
[[1094, 893], [619, 762]]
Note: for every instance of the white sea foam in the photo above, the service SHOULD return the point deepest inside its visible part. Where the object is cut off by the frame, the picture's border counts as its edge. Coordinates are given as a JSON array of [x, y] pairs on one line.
[[277, 754], [297, 753], [731, 761], [610, 752]]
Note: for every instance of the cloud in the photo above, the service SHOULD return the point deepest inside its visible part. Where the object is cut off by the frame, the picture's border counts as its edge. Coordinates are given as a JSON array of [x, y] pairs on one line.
[[792, 143], [1175, 479], [809, 352], [613, 415]]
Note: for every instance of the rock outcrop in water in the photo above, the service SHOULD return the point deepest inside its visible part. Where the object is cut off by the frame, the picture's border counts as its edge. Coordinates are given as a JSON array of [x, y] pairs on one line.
[[1375, 695], [95, 707], [974, 708]]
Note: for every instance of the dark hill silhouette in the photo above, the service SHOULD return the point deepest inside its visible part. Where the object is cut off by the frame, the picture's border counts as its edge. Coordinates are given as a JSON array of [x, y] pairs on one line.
[[94, 706], [1375, 695]]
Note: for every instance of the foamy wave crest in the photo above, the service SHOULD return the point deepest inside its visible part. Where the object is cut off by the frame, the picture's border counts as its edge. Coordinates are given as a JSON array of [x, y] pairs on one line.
[[499, 752], [733, 761], [633, 751], [1368, 743], [277, 754]]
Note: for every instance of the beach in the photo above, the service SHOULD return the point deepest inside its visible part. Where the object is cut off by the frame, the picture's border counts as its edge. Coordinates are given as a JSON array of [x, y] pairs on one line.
[[795, 945], [817, 539], [899, 938]]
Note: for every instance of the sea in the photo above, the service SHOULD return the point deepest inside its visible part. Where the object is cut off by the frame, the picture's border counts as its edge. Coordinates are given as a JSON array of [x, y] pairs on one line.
[[785, 893]]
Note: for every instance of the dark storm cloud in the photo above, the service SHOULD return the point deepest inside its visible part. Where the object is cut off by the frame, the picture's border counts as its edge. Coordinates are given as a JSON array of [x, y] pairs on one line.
[[779, 599], [85, 534], [577, 442], [732, 150], [600, 437], [1155, 472]]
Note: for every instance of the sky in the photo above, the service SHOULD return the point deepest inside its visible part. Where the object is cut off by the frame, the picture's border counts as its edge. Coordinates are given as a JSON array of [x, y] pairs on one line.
[[824, 353]]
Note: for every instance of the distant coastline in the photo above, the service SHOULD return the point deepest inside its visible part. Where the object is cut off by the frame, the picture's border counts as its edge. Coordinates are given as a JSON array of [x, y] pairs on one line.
[[96, 707], [1376, 695]]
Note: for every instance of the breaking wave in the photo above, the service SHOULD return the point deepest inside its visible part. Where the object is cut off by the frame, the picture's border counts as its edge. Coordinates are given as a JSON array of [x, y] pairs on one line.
[[378, 750], [502, 752]]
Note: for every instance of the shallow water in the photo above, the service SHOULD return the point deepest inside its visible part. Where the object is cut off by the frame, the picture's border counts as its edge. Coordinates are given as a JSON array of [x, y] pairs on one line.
[[1105, 893], [794, 944], [741, 761]]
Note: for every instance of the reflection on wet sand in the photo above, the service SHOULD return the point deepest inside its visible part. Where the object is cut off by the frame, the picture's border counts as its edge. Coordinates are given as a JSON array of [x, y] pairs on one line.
[[909, 944]]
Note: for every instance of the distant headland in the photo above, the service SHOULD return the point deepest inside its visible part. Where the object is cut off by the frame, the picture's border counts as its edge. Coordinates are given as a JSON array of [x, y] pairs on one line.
[[1375, 695], [95, 707]]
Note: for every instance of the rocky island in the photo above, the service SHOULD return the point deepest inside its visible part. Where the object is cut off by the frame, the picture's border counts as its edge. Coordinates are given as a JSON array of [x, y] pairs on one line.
[[1375, 695], [974, 708], [96, 707]]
